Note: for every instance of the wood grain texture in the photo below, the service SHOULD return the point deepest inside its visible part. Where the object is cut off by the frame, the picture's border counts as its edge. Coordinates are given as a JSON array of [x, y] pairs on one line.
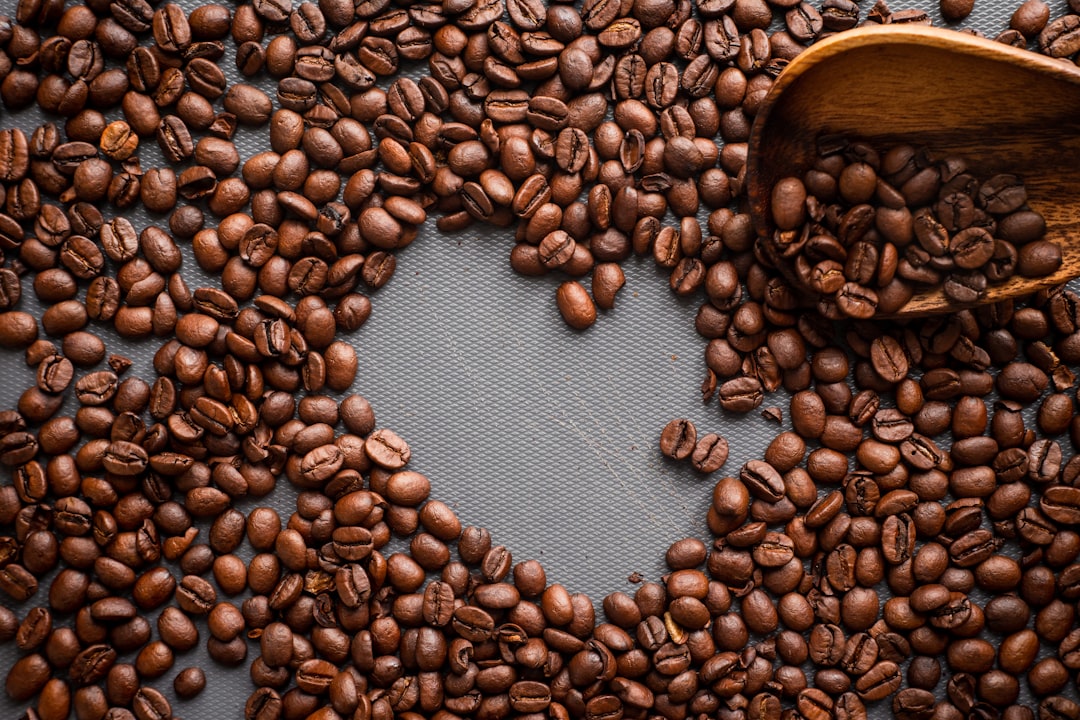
[[1000, 108]]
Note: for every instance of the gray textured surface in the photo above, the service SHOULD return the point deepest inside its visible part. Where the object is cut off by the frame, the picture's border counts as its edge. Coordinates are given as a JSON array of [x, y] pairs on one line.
[[546, 436]]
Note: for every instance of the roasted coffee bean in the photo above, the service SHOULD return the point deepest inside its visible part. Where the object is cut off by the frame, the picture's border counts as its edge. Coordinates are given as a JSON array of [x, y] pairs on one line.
[[678, 439], [710, 453], [575, 305], [189, 682], [741, 394], [26, 677]]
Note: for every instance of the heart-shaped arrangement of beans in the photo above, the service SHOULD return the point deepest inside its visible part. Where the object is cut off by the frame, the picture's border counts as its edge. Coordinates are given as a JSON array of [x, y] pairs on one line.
[[592, 133]]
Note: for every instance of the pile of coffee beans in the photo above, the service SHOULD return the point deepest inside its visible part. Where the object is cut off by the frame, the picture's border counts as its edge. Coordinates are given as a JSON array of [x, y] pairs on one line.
[[863, 230], [583, 130]]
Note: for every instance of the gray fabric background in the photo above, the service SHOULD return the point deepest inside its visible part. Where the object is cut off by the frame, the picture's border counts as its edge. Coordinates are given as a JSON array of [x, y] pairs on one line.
[[546, 436]]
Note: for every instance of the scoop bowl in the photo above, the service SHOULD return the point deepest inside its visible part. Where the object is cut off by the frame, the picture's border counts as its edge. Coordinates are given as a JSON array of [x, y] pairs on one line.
[[1000, 108]]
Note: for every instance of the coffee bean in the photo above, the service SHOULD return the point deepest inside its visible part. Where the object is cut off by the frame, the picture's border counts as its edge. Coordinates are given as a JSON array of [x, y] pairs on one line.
[[17, 329], [954, 11], [710, 453], [1030, 18], [1038, 258], [26, 677], [856, 301], [575, 305], [965, 287], [741, 394], [607, 280], [387, 449], [678, 439], [189, 682], [788, 203]]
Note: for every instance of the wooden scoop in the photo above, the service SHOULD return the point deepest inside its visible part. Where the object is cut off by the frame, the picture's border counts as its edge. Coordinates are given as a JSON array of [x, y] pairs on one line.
[[1000, 108]]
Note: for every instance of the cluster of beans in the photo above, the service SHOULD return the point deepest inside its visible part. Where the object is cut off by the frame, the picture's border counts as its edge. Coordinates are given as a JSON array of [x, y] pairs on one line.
[[863, 230], [584, 128]]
